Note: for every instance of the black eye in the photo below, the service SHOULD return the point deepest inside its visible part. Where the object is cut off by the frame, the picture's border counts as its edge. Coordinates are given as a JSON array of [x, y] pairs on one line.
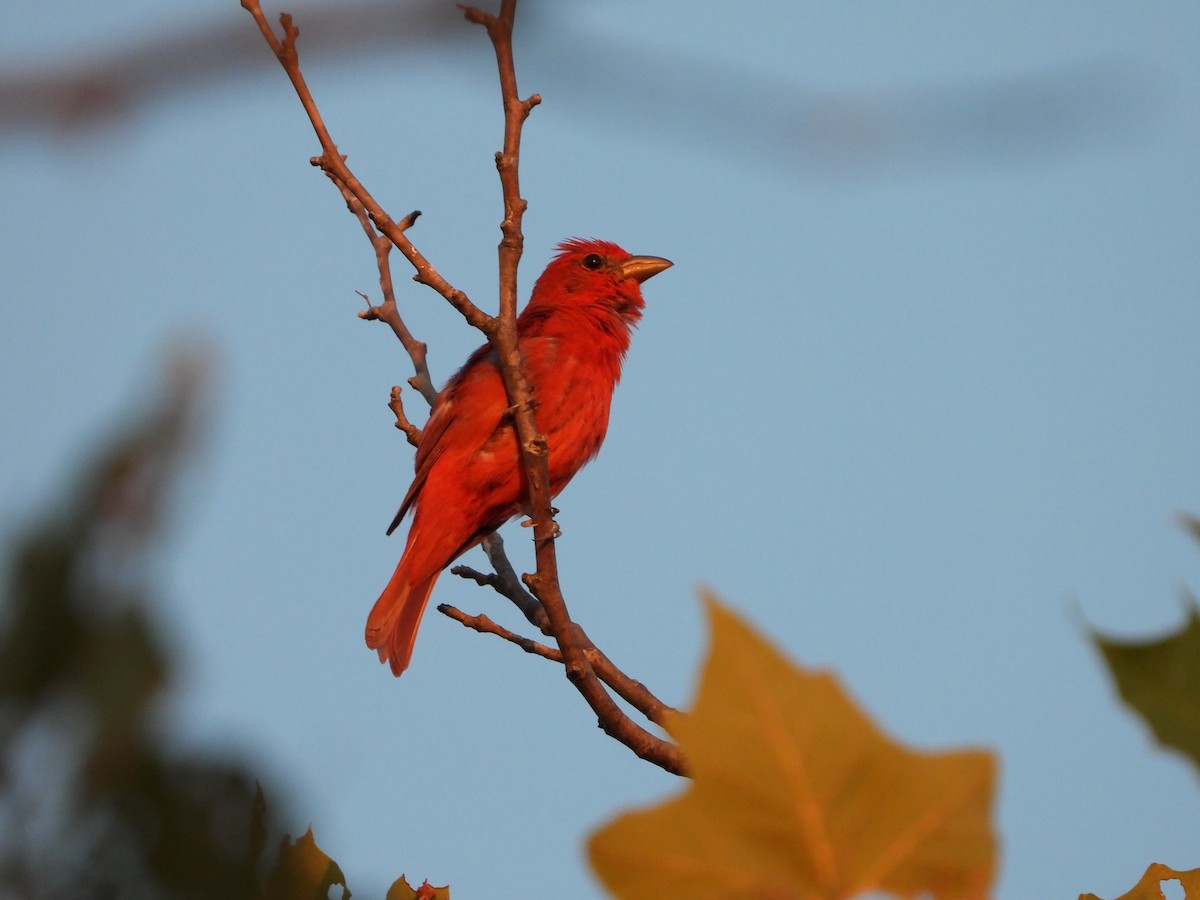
[[592, 261]]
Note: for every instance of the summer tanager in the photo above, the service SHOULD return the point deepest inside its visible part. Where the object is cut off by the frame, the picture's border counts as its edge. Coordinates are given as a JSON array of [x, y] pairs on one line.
[[573, 336]]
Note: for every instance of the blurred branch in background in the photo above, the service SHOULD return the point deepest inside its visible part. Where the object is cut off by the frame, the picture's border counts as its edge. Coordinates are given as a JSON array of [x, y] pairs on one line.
[[92, 803], [86, 86], [658, 94]]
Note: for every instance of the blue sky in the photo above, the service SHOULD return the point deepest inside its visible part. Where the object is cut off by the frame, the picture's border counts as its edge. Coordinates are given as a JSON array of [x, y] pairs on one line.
[[921, 384]]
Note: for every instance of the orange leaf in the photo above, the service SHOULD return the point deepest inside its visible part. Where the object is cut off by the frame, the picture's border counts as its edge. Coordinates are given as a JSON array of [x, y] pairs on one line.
[[1149, 887], [402, 890], [797, 794], [303, 872]]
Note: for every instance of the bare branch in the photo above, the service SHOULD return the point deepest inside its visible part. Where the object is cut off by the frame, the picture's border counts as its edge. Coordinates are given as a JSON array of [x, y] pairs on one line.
[[545, 607], [388, 311], [334, 165], [544, 584], [511, 585], [628, 689], [396, 405], [484, 625], [507, 583]]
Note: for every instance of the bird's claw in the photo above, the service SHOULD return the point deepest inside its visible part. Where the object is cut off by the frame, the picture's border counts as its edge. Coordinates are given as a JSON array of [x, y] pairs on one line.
[[554, 535]]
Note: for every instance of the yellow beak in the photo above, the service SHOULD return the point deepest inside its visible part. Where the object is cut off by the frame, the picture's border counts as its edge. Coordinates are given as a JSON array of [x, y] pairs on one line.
[[640, 268]]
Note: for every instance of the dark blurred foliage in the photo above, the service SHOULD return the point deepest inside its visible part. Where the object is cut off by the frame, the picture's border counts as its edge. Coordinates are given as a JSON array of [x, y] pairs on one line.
[[92, 801], [1159, 678]]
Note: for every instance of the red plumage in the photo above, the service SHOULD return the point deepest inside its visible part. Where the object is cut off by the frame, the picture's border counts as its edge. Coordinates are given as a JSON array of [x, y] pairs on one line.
[[573, 336]]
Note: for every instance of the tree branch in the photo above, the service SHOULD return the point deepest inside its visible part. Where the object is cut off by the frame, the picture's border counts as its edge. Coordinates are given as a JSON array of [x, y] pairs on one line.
[[544, 583], [545, 607], [505, 581], [334, 165], [484, 625], [388, 311], [628, 689]]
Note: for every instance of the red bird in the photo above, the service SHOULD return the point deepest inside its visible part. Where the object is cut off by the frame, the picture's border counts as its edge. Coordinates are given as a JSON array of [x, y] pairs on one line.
[[573, 336]]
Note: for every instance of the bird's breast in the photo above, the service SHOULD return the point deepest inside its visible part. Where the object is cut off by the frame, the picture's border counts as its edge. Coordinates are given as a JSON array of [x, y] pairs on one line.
[[573, 393]]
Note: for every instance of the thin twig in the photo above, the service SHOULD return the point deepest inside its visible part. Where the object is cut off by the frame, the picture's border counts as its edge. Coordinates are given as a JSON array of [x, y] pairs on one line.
[[632, 692], [388, 311], [396, 405], [334, 164], [484, 625], [628, 689]]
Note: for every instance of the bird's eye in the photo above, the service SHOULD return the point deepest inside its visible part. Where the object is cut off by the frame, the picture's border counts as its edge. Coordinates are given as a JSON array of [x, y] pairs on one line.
[[592, 261]]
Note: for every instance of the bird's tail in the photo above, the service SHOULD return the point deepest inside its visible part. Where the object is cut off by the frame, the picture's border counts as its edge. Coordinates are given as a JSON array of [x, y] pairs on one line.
[[396, 616]]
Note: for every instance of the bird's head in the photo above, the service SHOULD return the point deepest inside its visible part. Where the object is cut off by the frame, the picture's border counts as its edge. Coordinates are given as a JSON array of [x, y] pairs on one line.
[[591, 272]]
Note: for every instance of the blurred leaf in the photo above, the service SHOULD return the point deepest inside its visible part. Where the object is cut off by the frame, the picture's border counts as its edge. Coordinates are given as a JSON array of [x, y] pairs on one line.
[[84, 668], [304, 872], [122, 669], [1160, 680], [190, 823], [1149, 888], [74, 602], [402, 890], [797, 794]]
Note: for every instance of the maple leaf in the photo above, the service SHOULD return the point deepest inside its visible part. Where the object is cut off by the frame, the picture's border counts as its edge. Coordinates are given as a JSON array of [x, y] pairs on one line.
[[797, 794], [1149, 887]]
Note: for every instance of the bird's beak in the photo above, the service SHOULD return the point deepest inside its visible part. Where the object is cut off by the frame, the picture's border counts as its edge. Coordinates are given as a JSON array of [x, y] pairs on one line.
[[640, 268]]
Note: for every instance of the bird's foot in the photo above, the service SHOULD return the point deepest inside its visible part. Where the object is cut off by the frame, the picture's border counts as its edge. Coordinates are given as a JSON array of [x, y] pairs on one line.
[[557, 533]]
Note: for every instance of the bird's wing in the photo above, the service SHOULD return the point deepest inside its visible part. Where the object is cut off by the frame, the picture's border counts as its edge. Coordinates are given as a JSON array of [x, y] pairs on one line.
[[466, 415]]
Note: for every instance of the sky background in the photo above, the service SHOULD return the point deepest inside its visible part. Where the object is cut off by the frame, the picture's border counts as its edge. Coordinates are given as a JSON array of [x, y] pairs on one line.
[[920, 390]]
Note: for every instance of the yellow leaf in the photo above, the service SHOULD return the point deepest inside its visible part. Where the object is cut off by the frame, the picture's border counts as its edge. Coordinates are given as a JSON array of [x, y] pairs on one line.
[[303, 872], [796, 794], [1149, 887]]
